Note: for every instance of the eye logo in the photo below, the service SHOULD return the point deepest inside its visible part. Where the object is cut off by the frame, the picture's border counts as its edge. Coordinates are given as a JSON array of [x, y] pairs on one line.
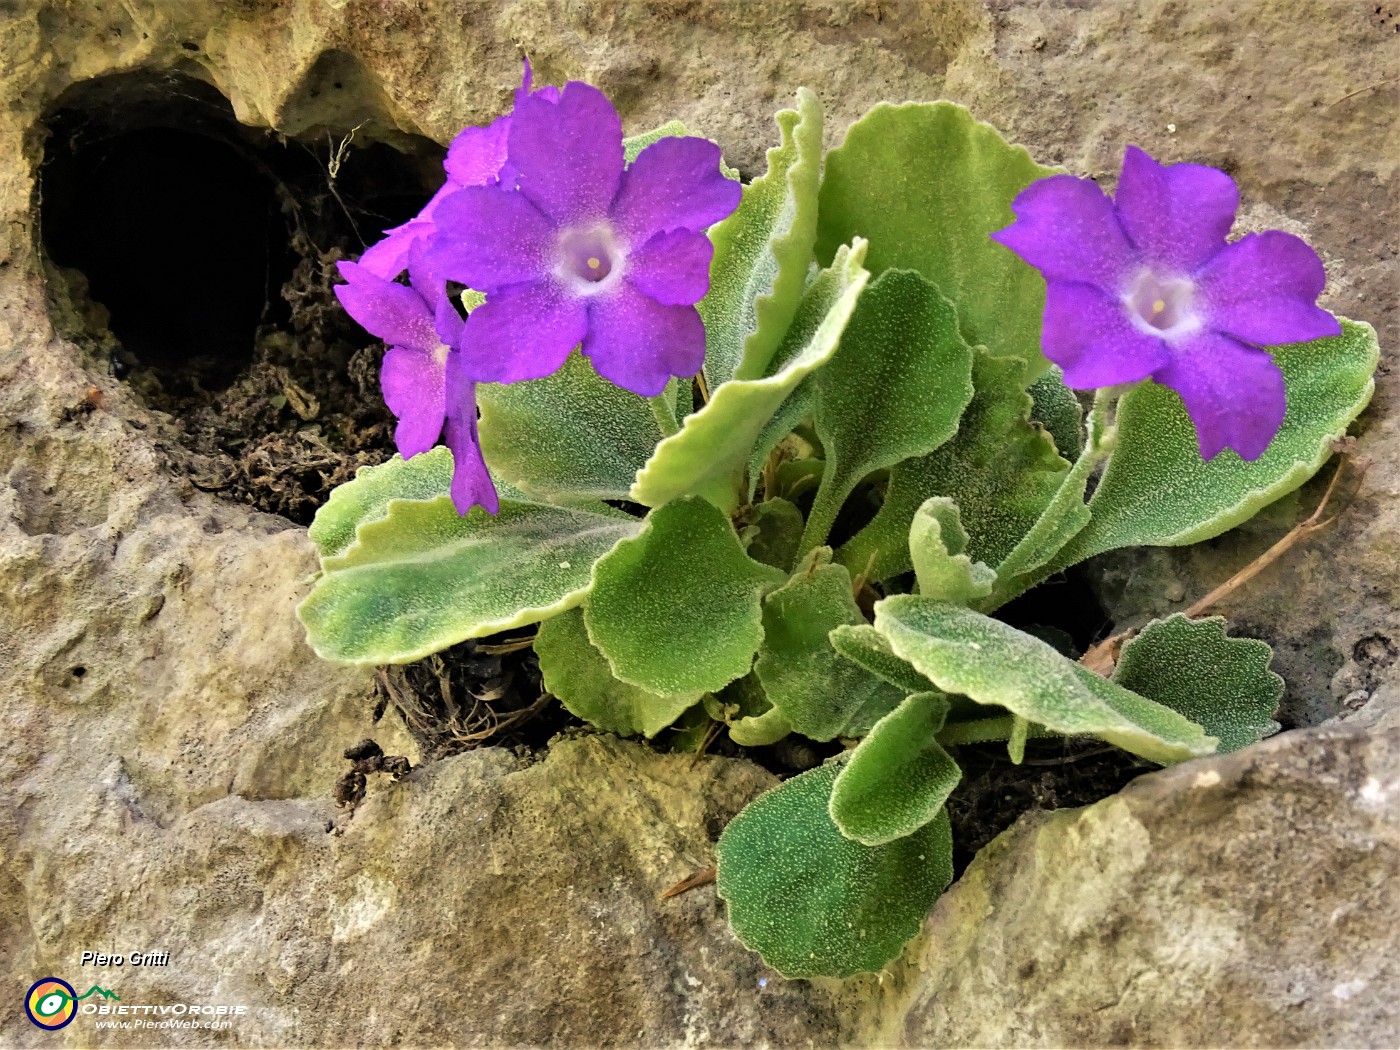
[[51, 1003]]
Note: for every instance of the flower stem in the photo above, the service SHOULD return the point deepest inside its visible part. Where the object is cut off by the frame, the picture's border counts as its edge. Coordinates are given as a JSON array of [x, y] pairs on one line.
[[663, 407]]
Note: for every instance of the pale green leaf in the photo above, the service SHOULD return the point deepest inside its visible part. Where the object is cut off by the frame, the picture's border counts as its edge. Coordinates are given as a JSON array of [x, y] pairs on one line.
[[762, 252], [898, 778], [576, 673], [676, 609], [366, 498], [423, 577], [936, 545], [993, 663], [567, 437], [927, 184], [862, 644], [711, 452], [1001, 469], [773, 532], [1194, 667], [1156, 489], [894, 390], [815, 903], [752, 719], [820, 693]]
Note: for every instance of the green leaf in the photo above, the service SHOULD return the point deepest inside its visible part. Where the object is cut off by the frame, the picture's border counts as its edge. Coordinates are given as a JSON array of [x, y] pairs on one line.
[[895, 389], [579, 676], [423, 577], [862, 644], [773, 533], [926, 184], [568, 437], [898, 778], [709, 455], [1001, 469], [1057, 409], [820, 693], [752, 719], [936, 545], [1156, 489], [815, 903], [762, 252], [791, 414], [993, 663], [676, 610], [1194, 667], [366, 498]]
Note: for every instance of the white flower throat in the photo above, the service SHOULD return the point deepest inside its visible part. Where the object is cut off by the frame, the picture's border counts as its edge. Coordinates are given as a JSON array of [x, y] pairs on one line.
[[1163, 307], [589, 259]]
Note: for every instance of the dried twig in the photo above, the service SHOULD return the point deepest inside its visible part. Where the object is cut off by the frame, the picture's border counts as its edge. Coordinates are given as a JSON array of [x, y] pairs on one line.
[[690, 882]]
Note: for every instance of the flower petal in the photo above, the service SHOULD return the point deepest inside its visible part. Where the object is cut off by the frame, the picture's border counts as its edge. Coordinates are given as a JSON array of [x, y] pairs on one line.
[[1088, 334], [521, 333], [471, 481], [396, 314], [412, 383], [1177, 215], [476, 154], [1264, 288], [388, 257], [488, 237], [567, 155], [673, 268], [638, 344], [675, 183], [1233, 393], [1067, 229]]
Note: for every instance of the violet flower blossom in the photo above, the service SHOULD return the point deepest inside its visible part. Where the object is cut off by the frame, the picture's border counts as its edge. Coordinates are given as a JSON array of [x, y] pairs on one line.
[[474, 158], [1146, 286], [422, 378], [570, 248]]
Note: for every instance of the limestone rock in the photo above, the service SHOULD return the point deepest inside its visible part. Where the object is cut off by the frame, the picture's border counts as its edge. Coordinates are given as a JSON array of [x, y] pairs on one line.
[[1247, 900], [168, 743]]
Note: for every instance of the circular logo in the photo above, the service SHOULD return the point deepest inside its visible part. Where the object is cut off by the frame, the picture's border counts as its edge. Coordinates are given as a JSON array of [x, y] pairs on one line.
[[51, 1003]]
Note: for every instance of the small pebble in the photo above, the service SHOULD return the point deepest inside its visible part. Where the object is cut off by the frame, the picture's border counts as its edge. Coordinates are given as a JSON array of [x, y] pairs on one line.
[[1175, 591]]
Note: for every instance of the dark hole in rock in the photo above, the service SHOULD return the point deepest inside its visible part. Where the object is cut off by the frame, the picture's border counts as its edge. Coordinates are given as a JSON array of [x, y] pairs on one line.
[[200, 255], [79, 672]]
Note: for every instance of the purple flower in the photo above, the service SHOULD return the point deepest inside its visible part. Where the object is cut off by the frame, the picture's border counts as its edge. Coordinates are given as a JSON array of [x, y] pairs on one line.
[[422, 378], [570, 248], [474, 158], [1146, 286]]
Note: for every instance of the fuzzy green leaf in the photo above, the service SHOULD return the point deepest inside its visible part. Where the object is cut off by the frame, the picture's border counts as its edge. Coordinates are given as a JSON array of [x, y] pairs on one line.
[[773, 533], [815, 903], [936, 545], [898, 778], [1156, 489], [1057, 409], [576, 673], [676, 609], [993, 663], [820, 693], [752, 719], [423, 577], [762, 252], [894, 390], [1194, 667], [568, 437], [709, 455], [926, 184], [366, 498], [1001, 469], [862, 644]]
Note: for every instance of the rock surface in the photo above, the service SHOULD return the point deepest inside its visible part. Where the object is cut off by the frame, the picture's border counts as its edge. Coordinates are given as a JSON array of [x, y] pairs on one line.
[[168, 744], [1245, 901]]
